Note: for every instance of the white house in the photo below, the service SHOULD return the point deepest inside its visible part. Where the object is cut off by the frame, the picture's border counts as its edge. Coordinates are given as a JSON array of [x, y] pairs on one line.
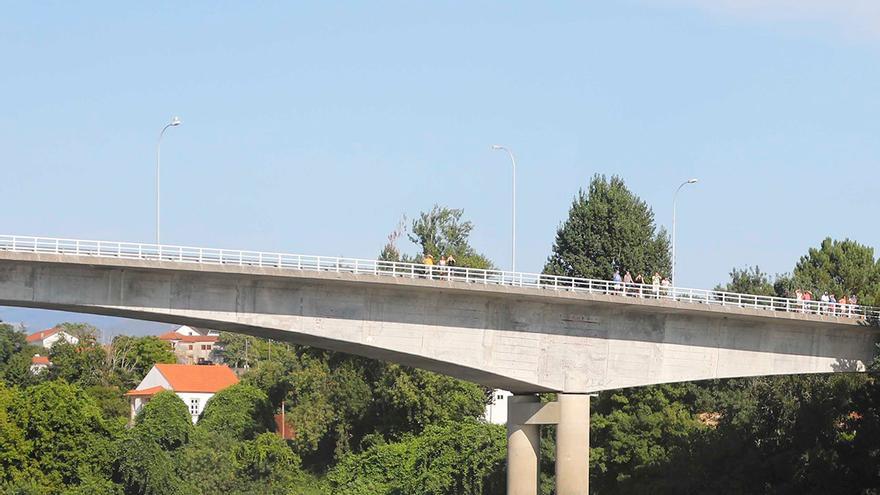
[[194, 345], [48, 338], [496, 411], [194, 384], [193, 331], [39, 364]]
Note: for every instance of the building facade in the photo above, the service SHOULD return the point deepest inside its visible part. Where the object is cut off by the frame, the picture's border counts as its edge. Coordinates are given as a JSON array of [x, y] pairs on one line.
[[194, 384], [49, 337], [193, 345]]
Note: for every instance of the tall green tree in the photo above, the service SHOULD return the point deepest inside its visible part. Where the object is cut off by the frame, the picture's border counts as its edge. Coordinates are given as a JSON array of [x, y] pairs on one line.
[[750, 280], [440, 232], [608, 227], [11, 341], [841, 268], [81, 363]]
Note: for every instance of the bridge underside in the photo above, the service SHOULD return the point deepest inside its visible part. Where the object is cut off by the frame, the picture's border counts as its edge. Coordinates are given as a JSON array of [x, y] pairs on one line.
[[523, 340]]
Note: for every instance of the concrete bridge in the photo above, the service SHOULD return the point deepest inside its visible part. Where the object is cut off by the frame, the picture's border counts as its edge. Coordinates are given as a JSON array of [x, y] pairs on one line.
[[526, 333]]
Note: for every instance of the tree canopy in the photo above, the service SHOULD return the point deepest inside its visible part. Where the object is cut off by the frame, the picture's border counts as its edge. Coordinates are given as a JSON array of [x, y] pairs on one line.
[[439, 232], [842, 268], [608, 227]]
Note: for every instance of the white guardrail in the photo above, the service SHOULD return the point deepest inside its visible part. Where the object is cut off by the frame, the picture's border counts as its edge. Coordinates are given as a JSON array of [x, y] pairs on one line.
[[128, 250]]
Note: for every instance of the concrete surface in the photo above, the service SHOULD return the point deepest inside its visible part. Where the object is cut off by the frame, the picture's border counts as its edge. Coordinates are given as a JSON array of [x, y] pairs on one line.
[[518, 339]]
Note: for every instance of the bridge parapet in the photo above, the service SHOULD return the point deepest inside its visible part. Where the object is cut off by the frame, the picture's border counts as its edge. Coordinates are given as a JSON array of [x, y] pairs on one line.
[[379, 268]]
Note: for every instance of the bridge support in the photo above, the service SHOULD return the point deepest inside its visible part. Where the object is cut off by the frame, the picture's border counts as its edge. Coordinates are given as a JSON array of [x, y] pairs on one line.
[[571, 414], [573, 445], [523, 445]]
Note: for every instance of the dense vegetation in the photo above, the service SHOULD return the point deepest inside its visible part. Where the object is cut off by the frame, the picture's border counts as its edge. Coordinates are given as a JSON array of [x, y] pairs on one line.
[[369, 427]]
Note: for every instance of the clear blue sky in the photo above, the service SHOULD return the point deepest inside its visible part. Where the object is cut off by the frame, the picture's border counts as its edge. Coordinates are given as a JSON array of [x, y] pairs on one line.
[[313, 128]]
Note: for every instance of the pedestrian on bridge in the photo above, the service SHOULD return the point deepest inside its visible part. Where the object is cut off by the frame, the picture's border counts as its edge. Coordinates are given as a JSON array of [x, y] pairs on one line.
[[617, 280], [627, 282], [429, 261], [655, 284], [640, 282]]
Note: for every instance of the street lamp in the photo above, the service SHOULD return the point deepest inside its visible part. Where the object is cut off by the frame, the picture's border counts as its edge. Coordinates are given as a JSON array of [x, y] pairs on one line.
[[497, 147], [674, 201], [174, 123]]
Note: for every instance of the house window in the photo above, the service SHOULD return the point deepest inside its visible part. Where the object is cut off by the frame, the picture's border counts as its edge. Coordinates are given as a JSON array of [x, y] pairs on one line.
[[500, 397], [194, 406], [190, 347]]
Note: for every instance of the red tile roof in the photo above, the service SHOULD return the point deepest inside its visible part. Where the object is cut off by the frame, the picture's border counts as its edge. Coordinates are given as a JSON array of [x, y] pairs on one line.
[[40, 360], [197, 378], [43, 334], [145, 392]]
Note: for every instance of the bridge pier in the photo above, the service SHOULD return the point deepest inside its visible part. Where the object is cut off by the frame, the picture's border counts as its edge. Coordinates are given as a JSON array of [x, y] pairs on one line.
[[571, 414], [573, 445], [523, 446]]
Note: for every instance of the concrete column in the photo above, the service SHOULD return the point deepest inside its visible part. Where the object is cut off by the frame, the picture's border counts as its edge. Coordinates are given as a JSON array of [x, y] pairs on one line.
[[523, 446], [573, 445]]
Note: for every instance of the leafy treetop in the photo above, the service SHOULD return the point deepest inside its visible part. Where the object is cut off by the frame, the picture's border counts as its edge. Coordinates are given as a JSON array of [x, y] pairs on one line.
[[609, 228]]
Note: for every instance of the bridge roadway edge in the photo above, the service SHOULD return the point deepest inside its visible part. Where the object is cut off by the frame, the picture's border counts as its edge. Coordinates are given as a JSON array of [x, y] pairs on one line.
[[579, 326]]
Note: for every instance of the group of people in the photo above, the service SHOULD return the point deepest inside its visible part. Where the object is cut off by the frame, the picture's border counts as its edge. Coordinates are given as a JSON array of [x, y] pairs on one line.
[[444, 260], [827, 303], [442, 267], [627, 285]]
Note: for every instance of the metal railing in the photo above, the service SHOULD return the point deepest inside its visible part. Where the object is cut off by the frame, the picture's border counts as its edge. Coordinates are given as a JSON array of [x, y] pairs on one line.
[[128, 250]]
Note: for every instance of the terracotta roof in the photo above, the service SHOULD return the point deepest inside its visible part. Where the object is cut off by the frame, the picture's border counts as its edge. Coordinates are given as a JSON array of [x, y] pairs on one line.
[[40, 360], [145, 392], [43, 334], [197, 378], [187, 338]]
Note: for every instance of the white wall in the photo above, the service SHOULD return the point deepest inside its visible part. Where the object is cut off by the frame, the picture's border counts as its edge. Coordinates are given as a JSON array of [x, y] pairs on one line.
[[200, 400], [185, 330], [54, 338], [153, 379], [496, 412]]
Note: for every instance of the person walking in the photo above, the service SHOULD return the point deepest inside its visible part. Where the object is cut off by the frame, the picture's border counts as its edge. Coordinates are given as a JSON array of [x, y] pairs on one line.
[[665, 284], [853, 302], [823, 300], [627, 282], [655, 284], [842, 304], [640, 282], [808, 299], [832, 301], [617, 280], [799, 296], [429, 261]]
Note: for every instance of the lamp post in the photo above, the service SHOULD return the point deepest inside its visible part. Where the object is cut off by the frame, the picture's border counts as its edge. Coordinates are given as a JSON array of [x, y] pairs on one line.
[[497, 147], [674, 202], [174, 123]]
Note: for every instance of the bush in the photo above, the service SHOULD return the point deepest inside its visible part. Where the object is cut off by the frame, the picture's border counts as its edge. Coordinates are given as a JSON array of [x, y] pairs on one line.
[[165, 420], [241, 411]]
